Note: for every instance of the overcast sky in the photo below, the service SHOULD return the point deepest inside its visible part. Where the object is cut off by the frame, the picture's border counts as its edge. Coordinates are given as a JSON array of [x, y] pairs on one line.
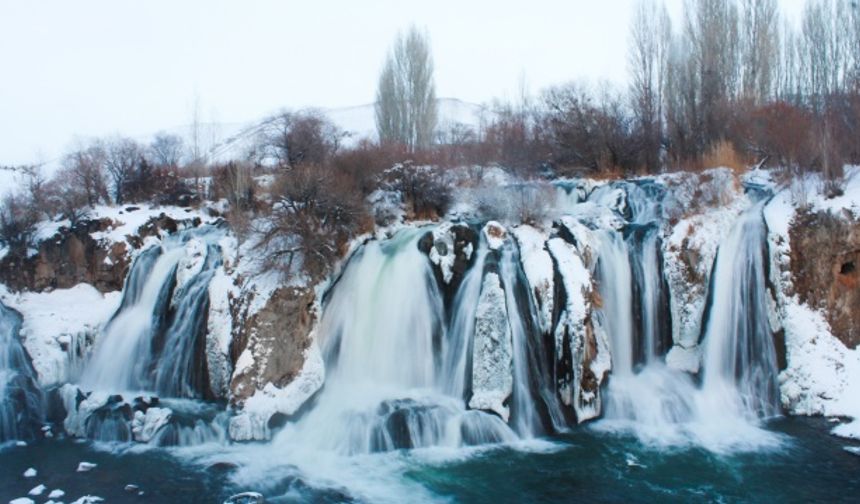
[[95, 67]]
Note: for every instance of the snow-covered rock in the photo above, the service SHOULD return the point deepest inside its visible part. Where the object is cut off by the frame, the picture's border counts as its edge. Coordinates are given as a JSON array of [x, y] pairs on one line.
[[252, 423], [495, 234], [219, 332], [537, 265], [37, 490], [492, 375], [144, 426], [587, 342], [22, 500], [86, 466], [442, 251], [60, 327], [30, 473], [56, 494]]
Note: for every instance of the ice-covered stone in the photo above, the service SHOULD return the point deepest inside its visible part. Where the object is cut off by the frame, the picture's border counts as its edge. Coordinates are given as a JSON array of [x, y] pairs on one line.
[[492, 376], [495, 234], [86, 466], [144, 426], [30, 473], [37, 490]]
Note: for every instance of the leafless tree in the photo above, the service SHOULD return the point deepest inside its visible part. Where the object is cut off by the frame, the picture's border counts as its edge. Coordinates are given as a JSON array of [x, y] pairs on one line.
[[18, 219], [85, 169], [759, 49], [166, 150], [295, 138], [406, 93], [122, 156], [650, 37]]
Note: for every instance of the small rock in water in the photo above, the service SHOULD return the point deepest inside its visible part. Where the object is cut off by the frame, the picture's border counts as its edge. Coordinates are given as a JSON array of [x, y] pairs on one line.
[[246, 498], [131, 488], [88, 499], [56, 494], [853, 449], [20, 443], [22, 500], [30, 473], [86, 466], [39, 490]]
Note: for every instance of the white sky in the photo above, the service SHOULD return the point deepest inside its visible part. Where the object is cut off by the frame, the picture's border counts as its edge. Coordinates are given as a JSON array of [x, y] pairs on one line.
[[94, 67]]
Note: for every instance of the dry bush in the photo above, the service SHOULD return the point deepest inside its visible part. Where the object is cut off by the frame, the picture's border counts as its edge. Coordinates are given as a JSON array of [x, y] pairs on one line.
[[427, 188], [315, 211], [724, 154]]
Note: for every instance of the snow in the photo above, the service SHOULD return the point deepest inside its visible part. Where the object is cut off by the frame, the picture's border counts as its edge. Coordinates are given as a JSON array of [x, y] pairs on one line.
[[492, 374], [86, 466], [126, 223], [37, 490], [573, 321], [822, 376], [144, 426], [538, 267], [442, 252], [57, 319], [30, 473], [88, 499], [251, 424], [495, 234], [22, 500], [695, 238], [56, 494], [849, 200], [191, 263], [219, 331]]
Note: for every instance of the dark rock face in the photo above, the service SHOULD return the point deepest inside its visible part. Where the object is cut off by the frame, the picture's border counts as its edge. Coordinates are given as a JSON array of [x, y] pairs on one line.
[[68, 258], [277, 336], [73, 256], [825, 264]]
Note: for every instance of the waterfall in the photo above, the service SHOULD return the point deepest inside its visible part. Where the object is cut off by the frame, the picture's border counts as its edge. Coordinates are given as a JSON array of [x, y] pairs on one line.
[[154, 340], [20, 396], [615, 283], [740, 367], [387, 386]]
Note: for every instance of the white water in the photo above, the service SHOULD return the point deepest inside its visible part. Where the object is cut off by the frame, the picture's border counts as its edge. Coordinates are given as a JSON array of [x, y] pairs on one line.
[[150, 342], [380, 333], [665, 407], [20, 400], [739, 358], [616, 283]]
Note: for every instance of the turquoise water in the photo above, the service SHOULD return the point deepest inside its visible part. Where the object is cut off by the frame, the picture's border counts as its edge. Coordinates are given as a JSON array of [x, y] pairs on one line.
[[587, 465]]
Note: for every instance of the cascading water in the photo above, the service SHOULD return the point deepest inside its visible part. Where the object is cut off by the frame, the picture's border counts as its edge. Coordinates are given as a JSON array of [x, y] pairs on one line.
[[152, 340], [740, 359], [385, 388], [20, 397]]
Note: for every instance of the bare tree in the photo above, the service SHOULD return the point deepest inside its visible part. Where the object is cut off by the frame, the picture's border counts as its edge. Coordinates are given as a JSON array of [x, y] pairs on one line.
[[166, 150], [18, 219], [406, 94], [85, 169], [295, 138], [759, 49], [650, 37], [122, 156]]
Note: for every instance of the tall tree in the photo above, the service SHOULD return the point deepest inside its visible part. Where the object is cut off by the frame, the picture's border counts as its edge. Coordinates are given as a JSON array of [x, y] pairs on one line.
[[406, 94], [759, 49], [650, 37]]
